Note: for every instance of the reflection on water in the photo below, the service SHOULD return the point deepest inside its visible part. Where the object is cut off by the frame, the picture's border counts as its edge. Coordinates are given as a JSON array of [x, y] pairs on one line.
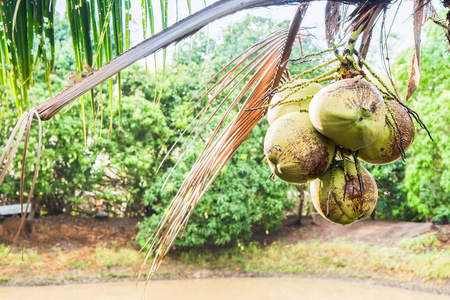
[[218, 289]]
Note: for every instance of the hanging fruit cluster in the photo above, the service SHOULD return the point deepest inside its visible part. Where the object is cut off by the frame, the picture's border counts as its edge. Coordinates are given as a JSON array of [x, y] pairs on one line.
[[318, 134]]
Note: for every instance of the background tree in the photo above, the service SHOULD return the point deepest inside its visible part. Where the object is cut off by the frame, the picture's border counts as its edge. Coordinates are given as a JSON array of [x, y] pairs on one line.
[[427, 173]]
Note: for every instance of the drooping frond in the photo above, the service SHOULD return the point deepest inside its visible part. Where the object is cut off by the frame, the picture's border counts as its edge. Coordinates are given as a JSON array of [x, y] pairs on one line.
[[26, 37], [361, 20], [220, 147], [422, 10], [242, 65], [23, 123], [333, 20]]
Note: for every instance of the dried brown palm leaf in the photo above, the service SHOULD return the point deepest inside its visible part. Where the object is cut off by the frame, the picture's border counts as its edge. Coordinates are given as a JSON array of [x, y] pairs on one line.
[[250, 59], [363, 19], [219, 150], [367, 33], [35, 114], [422, 10], [333, 18], [18, 131]]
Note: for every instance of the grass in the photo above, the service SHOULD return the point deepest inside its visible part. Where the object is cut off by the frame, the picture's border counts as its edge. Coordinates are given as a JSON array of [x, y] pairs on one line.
[[422, 259], [334, 258]]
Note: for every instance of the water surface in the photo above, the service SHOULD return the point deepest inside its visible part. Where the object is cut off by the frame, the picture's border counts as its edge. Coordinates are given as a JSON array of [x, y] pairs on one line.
[[220, 289]]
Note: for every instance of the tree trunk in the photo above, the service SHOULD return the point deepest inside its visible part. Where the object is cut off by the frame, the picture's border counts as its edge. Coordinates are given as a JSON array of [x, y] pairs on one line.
[[34, 208], [301, 195], [372, 215]]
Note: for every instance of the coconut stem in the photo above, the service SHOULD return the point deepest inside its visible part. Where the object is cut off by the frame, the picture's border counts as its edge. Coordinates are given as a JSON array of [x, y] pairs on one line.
[[281, 102], [377, 78], [292, 101], [359, 173], [301, 86], [331, 192], [321, 78], [315, 53], [417, 118], [285, 86], [396, 128], [355, 35], [345, 180], [385, 95], [383, 188], [314, 69]]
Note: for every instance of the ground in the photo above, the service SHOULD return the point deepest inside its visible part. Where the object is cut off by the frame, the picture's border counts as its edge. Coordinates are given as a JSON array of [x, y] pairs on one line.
[[374, 232], [69, 233], [66, 249]]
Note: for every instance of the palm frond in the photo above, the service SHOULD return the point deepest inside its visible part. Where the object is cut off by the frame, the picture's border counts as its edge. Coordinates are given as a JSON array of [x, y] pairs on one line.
[[422, 10], [18, 132], [26, 26], [220, 148], [246, 62]]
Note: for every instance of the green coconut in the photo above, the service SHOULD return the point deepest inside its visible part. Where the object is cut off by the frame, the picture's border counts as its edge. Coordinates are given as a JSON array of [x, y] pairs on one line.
[[296, 152], [340, 200], [350, 112], [275, 112], [391, 142]]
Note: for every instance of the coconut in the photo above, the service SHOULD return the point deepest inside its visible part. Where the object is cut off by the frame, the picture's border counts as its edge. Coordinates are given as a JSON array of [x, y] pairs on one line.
[[296, 152], [387, 148], [350, 112], [275, 112], [340, 200]]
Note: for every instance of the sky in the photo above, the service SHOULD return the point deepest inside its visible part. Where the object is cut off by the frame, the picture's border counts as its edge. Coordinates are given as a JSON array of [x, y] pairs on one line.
[[401, 28]]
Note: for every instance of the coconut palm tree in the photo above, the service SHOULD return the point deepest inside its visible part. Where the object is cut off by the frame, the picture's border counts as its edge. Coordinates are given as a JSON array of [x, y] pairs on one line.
[[100, 35]]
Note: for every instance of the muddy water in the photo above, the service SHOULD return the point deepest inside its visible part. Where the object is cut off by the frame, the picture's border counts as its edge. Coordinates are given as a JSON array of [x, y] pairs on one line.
[[218, 289]]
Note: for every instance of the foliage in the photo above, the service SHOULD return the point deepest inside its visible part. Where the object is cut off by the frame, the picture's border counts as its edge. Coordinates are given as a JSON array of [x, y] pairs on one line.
[[392, 204], [130, 157], [427, 173]]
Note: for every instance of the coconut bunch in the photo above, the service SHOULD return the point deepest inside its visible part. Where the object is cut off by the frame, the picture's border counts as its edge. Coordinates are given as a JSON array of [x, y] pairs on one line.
[[318, 134]]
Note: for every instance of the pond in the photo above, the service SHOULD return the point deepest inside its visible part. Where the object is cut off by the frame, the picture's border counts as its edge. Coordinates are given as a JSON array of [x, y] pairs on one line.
[[220, 288]]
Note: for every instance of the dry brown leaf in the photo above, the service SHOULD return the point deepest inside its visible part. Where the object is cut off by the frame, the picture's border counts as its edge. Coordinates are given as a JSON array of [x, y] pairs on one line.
[[367, 35], [414, 73], [332, 20]]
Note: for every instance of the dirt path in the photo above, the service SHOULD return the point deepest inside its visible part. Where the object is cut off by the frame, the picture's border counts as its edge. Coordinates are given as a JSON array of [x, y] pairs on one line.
[[68, 232], [375, 232]]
